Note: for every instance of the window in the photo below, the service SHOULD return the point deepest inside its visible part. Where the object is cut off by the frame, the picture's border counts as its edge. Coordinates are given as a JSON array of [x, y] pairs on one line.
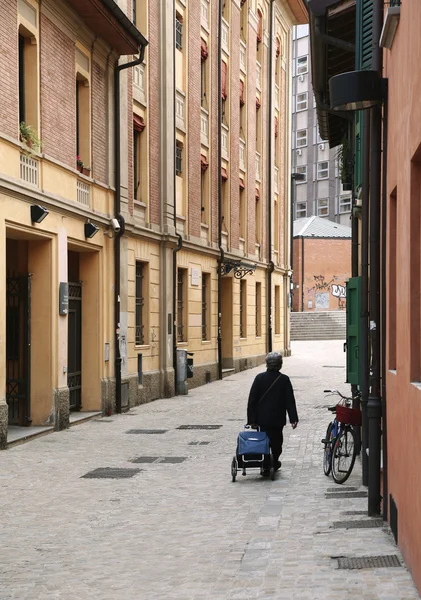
[[181, 303], [225, 203], [179, 159], [83, 108], [258, 309], [138, 153], [301, 103], [206, 304], [344, 204], [204, 189], [323, 207], [178, 32], [300, 210], [28, 80], [243, 308], [257, 218], [140, 303], [243, 216], [301, 138], [277, 309], [303, 171], [244, 20], [204, 75], [302, 65], [323, 170]]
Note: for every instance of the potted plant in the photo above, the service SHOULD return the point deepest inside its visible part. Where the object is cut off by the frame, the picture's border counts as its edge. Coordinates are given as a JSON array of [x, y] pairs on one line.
[[86, 171], [29, 137], [79, 163]]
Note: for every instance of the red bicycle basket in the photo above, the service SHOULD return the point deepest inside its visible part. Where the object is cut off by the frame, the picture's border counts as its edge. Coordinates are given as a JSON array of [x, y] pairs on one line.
[[349, 416]]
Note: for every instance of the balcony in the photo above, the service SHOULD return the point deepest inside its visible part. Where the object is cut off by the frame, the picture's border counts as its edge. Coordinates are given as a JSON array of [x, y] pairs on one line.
[[276, 180], [204, 127], [242, 155], [258, 161], [139, 83], [29, 169], [180, 111], [204, 14], [243, 57], [83, 193], [225, 142], [225, 37], [258, 76]]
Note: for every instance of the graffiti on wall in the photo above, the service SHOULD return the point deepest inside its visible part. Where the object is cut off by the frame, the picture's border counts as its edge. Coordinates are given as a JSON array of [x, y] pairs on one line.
[[339, 291], [323, 289]]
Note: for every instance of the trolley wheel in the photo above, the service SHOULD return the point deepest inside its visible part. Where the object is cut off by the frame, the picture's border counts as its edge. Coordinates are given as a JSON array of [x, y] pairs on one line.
[[272, 468], [234, 468]]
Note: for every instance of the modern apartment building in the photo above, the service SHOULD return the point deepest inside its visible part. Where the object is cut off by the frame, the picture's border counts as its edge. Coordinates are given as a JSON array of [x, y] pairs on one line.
[[321, 193], [154, 216]]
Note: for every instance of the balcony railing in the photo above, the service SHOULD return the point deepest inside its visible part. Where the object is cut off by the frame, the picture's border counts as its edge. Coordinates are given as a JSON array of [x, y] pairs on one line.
[[204, 14], [83, 193], [243, 60], [257, 166], [258, 76], [225, 36], [276, 180], [204, 128], [29, 169], [242, 154], [225, 133]]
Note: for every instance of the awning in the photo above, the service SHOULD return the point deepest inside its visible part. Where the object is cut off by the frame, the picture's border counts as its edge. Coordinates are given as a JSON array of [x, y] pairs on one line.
[[203, 162], [203, 49], [257, 194], [138, 123], [224, 173], [109, 22], [242, 184]]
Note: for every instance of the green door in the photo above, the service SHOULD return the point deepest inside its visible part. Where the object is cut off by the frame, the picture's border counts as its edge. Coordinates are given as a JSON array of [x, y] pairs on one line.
[[353, 329]]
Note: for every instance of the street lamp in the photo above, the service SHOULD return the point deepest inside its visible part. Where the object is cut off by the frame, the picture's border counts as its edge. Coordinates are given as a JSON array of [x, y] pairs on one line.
[[294, 177]]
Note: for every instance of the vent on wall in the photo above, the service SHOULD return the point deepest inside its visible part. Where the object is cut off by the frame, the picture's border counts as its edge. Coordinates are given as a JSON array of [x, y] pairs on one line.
[[393, 510]]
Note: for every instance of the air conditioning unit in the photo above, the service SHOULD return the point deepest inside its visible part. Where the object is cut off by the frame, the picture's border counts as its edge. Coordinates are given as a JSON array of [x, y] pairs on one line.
[[321, 146], [300, 77], [299, 152]]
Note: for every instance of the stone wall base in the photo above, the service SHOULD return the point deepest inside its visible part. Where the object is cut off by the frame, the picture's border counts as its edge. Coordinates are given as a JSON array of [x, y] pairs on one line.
[[4, 412], [108, 396], [61, 398], [248, 362], [203, 374]]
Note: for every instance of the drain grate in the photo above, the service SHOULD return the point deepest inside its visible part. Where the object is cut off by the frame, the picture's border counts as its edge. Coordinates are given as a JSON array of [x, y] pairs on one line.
[[369, 562], [354, 512], [199, 427], [111, 473], [198, 443], [146, 431], [145, 459], [367, 524], [159, 459], [173, 460], [102, 421], [347, 495], [343, 489]]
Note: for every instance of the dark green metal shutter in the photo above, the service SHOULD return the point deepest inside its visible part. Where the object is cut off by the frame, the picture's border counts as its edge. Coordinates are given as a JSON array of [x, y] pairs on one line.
[[353, 329], [364, 50]]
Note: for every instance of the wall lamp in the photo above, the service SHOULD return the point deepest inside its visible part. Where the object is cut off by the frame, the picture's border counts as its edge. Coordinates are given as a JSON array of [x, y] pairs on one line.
[[90, 229], [356, 90], [390, 25], [38, 213]]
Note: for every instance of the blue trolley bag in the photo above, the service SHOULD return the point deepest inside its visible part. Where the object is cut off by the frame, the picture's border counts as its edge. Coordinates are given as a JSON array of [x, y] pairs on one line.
[[252, 442]]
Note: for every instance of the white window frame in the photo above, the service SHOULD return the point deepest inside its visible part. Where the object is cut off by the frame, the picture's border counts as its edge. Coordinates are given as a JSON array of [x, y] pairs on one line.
[[322, 173], [301, 212], [302, 169], [302, 68], [325, 207], [344, 200], [301, 105], [299, 140]]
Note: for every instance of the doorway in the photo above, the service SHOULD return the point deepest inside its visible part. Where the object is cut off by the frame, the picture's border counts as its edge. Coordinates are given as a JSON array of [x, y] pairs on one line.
[[74, 338], [227, 323]]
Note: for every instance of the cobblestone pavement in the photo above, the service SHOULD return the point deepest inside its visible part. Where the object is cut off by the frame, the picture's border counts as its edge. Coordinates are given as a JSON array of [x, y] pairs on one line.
[[183, 530]]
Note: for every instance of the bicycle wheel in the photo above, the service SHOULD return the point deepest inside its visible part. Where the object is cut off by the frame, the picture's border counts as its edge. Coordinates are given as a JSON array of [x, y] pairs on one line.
[[343, 455], [327, 456]]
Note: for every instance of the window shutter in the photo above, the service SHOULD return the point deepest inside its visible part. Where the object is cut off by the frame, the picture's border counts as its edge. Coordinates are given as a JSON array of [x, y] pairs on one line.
[[138, 123], [365, 34], [203, 163], [224, 81]]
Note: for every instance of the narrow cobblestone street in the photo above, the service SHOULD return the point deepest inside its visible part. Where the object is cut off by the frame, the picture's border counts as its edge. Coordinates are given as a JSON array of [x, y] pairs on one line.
[[183, 530]]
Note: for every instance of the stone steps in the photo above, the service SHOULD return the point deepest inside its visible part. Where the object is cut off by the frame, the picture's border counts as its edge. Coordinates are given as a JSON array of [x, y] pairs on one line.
[[327, 325]]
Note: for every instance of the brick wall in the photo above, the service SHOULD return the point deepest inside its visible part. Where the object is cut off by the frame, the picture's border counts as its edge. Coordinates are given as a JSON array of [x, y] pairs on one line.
[[9, 113], [213, 137], [327, 265], [251, 140], [130, 172], [58, 104], [152, 124], [99, 122], [234, 90], [194, 103]]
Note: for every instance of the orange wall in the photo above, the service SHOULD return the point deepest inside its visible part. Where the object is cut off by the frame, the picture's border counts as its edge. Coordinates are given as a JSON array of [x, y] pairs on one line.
[[327, 266], [403, 397]]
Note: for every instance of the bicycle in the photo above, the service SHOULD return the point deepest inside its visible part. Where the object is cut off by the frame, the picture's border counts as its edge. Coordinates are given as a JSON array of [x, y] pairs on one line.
[[339, 443]]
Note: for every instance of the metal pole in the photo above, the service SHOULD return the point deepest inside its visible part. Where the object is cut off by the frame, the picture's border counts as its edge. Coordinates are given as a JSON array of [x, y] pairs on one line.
[[219, 339]]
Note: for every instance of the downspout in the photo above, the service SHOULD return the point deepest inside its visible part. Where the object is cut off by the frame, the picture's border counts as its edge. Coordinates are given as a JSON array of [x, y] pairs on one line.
[[120, 219], [220, 187], [179, 238], [302, 274], [271, 265]]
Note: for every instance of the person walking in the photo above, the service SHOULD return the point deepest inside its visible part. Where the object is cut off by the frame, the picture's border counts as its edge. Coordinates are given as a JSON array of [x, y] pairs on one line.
[[271, 398]]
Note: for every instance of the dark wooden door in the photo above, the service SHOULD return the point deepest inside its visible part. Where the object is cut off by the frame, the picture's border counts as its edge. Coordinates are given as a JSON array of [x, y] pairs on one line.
[[74, 346]]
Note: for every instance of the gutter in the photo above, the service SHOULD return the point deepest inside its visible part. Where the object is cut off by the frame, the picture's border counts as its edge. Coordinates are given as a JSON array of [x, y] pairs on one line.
[[119, 217], [271, 265], [219, 155]]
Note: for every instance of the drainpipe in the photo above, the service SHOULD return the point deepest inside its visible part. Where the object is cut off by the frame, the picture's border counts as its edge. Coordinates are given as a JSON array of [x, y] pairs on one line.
[[374, 405], [219, 154], [302, 274], [120, 219], [271, 265]]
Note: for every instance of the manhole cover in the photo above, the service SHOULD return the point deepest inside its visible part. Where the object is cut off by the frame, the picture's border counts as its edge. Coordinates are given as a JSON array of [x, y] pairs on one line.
[[146, 431], [343, 489], [354, 512], [145, 459], [369, 562], [198, 443], [111, 473], [199, 427], [347, 495], [368, 524]]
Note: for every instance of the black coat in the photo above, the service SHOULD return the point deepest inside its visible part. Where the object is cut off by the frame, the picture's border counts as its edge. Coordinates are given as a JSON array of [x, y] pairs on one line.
[[271, 411]]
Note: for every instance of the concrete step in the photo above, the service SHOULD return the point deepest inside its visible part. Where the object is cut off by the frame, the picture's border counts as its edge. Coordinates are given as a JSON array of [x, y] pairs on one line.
[[327, 325]]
